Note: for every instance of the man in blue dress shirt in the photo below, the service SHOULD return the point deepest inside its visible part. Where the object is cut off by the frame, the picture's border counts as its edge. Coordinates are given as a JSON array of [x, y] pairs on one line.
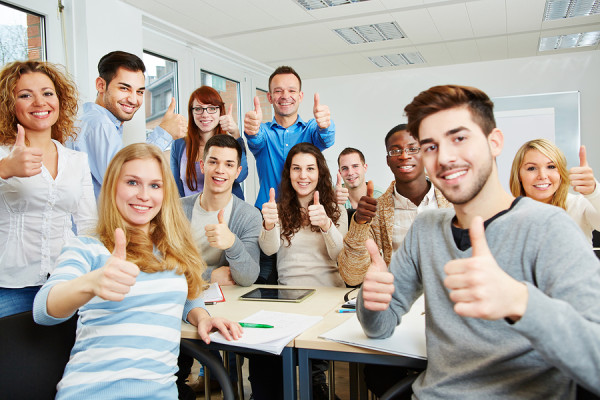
[[270, 142], [121, 87]]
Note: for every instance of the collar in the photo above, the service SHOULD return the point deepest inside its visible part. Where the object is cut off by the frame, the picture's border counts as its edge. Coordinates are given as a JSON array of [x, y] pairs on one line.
[[299, 122], [118, 123], [404, 203]]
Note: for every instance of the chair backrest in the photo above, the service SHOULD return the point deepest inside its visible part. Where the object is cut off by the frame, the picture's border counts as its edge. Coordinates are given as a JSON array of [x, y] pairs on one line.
[[32, 356]]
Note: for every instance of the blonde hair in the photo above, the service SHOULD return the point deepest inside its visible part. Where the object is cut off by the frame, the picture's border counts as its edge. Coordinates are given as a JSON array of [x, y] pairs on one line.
[[169, 230], [66, 91], [554, 154]]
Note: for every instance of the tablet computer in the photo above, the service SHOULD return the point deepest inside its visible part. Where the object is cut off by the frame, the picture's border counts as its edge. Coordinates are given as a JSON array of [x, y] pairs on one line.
[[277, 294]]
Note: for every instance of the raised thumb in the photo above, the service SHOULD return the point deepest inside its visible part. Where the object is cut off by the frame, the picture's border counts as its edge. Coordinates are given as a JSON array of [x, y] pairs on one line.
[[317, 100], [221, 216], [582, 157], [257, 105], [316, 198], [370, 188], [272, 195], [377, 261], [478, 240], [120, 250], [339, 179], [171, 109], [20, 141], [230, 109]]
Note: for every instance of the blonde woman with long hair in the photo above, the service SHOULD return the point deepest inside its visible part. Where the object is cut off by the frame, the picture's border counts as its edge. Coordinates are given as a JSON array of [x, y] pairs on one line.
[[132, 284], [539, 171]]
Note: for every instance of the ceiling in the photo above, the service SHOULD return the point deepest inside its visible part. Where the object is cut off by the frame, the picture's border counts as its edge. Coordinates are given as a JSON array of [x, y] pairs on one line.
[[281, 32]]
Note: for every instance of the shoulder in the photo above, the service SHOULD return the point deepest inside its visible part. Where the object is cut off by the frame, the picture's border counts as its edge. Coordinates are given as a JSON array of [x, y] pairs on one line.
[[178, 145], [189, 201], [247, 210]]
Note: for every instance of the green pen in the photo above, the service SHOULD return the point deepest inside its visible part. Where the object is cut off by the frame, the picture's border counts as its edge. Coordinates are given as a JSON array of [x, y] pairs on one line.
[[251, 325]]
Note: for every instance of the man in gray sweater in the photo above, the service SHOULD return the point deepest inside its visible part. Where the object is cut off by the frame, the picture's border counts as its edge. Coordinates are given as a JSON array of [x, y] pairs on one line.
[[512, 303]]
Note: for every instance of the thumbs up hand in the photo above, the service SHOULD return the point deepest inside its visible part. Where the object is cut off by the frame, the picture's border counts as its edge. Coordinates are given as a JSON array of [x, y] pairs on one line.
[[253, 119], [341, 193], [218, 235], [317, 215], [479, 287], [115, 279], [378, 285], [174, 124], [228, 123], [22, 161], [582, 177], [367, 206], [321, 113], [269, 211]]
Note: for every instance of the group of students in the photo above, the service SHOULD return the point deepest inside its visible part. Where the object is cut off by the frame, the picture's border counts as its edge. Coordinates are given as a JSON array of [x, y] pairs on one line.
[[134, 266]]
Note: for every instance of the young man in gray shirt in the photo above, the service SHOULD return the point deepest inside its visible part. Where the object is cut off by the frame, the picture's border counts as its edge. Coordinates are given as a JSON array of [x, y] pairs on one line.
[[513, 303]]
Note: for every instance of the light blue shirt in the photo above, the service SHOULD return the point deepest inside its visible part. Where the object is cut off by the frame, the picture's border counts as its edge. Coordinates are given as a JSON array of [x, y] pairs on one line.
[[272, 144], [101, 137]]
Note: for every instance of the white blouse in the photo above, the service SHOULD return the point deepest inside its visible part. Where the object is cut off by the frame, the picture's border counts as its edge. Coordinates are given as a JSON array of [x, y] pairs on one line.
[[37, 215], [585, 210]]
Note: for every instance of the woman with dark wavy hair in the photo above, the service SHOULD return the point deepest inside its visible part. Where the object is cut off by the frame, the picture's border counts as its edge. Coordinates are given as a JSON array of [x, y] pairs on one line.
[[206, 117], [305, 227]]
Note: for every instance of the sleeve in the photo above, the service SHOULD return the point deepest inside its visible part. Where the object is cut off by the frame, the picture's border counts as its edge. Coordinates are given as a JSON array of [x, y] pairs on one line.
[[86, 215], [189, 305], [354, 259], [334, 237], [258, 141], [101, 142], [592, 210], [322, 138], [269, 241], [243, 162], [159, 137], [176, 153], [243, 257]]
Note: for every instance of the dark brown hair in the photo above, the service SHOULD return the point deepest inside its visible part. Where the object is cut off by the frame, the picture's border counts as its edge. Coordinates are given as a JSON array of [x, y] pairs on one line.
[[351, 150], [110, 63], [284, 69]]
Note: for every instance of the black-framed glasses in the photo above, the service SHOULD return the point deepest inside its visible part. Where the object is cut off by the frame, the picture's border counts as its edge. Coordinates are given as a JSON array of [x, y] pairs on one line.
[[209, 109], [408, 151]]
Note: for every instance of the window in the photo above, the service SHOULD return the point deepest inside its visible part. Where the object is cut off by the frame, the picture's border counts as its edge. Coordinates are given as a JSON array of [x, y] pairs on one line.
[[21, 35], [265, 106], [161, 87], [228, 89]]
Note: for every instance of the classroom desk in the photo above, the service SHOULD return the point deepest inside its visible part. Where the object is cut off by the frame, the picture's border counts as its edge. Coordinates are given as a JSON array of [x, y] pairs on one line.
[[322, 303], [310, 347]]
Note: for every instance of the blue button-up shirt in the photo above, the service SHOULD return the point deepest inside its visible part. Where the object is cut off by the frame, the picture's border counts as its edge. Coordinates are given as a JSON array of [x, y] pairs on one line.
[[101, 137], [272, 144]]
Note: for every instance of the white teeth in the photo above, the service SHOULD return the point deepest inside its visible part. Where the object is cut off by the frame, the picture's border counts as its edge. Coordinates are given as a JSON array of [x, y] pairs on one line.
[[41, 113], [141, 208], [219, 179], [407, 167], [303, 183], [455, 175], [542, 185]]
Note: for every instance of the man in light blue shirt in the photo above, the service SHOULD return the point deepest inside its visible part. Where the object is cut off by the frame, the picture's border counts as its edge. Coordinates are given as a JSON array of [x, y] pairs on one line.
[[270, 142], [121, 87]]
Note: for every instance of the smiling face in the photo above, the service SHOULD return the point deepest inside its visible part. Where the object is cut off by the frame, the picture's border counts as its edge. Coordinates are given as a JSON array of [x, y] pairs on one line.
[[124, 94], [405, 167], [206, 122], [139, 192], [352, 170], [220, 168], [304, 175], [457, 155], [285, 95], [539, 176], [36, 102]]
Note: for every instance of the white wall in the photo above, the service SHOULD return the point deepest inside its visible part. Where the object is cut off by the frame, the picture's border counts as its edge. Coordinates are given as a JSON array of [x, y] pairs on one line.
[[365, 107]]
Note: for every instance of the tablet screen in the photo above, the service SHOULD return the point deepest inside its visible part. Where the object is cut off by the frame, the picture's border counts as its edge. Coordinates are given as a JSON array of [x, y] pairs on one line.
[[272, 294]]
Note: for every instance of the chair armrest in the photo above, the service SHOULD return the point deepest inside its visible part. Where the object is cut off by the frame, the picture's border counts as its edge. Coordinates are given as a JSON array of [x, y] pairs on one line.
[[399, 388]]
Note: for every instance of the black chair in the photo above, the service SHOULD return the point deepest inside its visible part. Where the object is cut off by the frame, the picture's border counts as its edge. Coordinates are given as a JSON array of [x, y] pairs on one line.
[[596, 242], [32, 356]]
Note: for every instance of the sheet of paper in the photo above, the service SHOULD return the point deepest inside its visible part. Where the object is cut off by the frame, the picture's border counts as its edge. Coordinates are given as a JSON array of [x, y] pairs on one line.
[[408, 338], [213, 294], [286, 327]]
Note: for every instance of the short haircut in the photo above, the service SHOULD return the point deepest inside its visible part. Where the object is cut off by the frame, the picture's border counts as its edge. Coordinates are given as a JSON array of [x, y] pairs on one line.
[[110, 63], [223, 141], [440, 98], [284, 69], [397, 128], [351, 150]]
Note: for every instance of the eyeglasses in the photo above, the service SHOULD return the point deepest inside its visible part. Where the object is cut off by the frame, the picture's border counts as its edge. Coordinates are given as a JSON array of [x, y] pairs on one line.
[[398, 152], [200, 110]]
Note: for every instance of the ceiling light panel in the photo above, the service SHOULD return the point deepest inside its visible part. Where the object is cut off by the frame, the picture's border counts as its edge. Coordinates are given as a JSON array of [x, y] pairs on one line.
[[370, 33], [317, 4], [394, 60], [569, 41], [559, 9]]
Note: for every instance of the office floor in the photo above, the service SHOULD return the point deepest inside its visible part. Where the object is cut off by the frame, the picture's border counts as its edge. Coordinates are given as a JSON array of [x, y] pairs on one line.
[[341, 382]]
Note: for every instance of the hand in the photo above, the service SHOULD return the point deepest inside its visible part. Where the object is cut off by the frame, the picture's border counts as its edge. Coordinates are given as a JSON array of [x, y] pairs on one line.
[[341, 193], [378, 285], [317, 215], [479, 287], [269, 211], [253, 119], [582, 177], [174, 124], [22, 161], [115, 279], [229, 329], [222, 276], [321, 113], [367, 206], [218, 235], [228, 124]]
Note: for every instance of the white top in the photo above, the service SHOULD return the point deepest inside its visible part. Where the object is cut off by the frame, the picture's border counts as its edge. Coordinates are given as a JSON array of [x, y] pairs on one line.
[[585, 211], [36, 217], [311, 258], [405, 213]]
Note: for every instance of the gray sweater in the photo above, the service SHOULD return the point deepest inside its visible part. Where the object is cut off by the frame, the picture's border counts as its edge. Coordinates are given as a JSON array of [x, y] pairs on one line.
[[245, 223], [555, 342]]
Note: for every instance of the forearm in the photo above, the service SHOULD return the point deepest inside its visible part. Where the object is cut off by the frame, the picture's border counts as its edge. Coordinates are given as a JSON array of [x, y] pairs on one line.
[[269, 240], [66, 297], [243, 259], [354, 260], [196, 315]]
